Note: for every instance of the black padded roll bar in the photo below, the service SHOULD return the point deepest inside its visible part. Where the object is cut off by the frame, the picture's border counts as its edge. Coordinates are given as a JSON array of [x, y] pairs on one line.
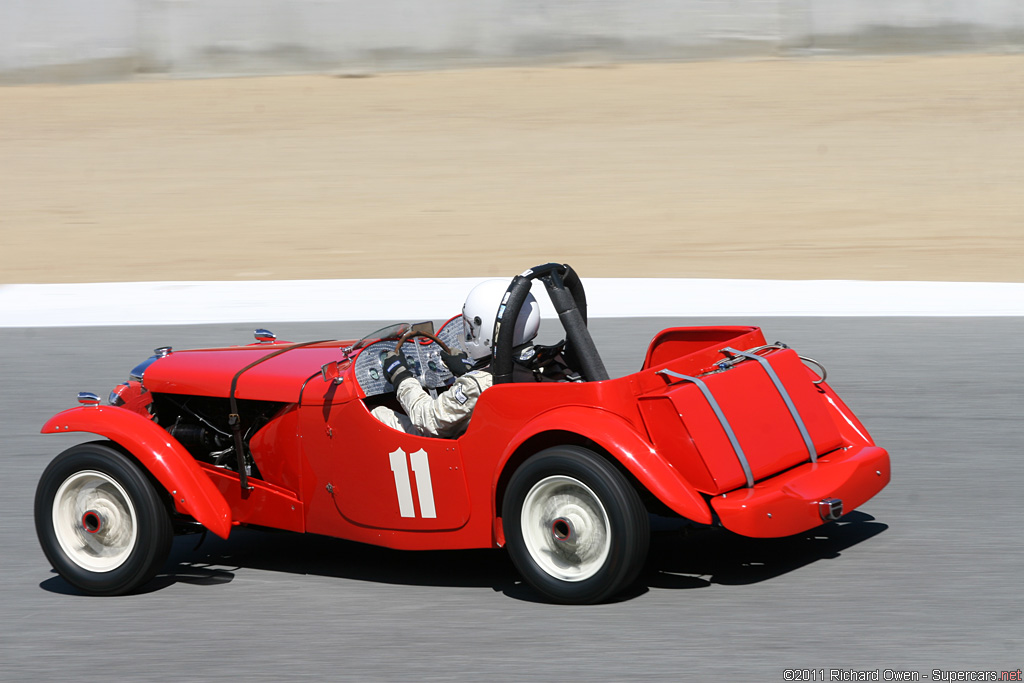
[[566, 291]]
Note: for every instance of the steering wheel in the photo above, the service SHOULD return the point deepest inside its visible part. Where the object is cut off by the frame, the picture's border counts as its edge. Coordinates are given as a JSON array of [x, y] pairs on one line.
[[417, 333]]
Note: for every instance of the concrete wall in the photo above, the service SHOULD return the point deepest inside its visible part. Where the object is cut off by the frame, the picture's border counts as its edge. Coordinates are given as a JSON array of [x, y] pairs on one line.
[[68, 40], [57, 39]]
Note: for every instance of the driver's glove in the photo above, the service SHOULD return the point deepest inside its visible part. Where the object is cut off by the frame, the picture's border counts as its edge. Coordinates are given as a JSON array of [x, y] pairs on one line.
[[394, 368], [458, 363]]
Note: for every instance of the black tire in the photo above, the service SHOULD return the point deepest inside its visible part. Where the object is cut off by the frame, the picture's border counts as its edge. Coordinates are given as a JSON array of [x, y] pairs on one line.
[[100, 521], [574, 526]]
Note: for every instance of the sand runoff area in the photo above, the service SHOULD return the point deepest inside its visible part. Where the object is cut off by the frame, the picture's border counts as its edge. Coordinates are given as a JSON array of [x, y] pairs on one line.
[[875, 169]]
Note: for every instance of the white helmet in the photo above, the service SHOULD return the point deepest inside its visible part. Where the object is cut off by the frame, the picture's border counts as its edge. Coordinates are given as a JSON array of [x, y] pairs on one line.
[[480, 311]]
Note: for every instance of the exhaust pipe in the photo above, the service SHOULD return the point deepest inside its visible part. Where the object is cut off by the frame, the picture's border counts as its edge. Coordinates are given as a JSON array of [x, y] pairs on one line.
[[830, 509]]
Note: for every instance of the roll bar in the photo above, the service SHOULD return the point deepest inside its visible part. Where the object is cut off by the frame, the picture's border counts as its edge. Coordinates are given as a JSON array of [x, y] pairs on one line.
[[566, 291]]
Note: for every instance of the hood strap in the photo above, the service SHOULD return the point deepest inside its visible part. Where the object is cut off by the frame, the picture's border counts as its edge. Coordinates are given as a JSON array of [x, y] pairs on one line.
[[235, 421]]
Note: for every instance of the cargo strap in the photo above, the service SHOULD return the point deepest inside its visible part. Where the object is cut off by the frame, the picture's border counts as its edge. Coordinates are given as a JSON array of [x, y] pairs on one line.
[[726, 427], [785, 397]]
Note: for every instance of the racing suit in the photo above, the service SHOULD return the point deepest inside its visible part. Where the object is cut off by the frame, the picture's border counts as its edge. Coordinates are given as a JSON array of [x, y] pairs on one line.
[[446, 416]]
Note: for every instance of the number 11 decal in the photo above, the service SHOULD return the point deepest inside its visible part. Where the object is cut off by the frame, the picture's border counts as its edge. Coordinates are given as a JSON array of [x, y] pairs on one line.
[[421, 469]]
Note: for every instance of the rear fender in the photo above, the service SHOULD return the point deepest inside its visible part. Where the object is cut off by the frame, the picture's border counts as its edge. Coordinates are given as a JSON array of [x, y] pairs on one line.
[[159, 453], [850, 428], [627, 446]]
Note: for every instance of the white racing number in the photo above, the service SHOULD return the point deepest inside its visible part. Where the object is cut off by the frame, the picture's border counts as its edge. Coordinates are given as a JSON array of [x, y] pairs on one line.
[[421, 470]]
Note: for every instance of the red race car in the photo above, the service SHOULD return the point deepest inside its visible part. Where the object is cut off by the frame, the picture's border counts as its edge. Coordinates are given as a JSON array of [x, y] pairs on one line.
[[559, 462]]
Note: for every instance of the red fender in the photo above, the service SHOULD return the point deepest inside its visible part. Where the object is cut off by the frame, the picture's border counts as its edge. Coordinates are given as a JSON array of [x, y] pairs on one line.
[[850, 428], [158, 452], [622, 440]]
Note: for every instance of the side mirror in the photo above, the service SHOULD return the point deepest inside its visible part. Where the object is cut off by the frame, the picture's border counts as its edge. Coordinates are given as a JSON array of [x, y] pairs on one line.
[[332, 371]]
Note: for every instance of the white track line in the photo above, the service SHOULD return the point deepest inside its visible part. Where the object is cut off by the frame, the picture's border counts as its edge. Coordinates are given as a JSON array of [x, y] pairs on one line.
[[182, 303]]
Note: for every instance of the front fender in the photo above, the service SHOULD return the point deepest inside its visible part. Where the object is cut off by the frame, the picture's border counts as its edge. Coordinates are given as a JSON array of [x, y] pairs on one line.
[[618, 437], [158, 452]]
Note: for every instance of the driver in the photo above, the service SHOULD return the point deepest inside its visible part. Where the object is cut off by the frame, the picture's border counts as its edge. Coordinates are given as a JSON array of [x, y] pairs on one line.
[[448, 414]]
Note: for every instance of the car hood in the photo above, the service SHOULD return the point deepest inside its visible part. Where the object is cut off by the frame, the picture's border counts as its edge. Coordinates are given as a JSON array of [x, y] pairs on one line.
[[209, 372]]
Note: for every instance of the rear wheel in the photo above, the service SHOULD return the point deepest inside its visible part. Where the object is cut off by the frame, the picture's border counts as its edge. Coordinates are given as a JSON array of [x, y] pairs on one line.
[[575, 527], [100, 521]]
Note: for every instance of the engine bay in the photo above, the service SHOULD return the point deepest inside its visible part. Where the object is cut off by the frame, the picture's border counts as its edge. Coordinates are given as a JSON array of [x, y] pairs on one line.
[[201, 425]]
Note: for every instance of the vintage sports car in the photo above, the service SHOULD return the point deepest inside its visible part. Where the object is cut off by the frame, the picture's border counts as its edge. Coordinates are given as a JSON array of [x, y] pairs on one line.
[[560, 463]]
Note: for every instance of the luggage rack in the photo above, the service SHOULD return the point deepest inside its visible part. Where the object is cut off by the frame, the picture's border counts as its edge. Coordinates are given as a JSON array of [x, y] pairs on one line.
[[736, 357], [733, 358]]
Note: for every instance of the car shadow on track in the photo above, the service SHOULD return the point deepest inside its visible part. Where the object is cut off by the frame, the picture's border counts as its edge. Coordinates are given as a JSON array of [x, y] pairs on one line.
[[691, 557], [680, 557]]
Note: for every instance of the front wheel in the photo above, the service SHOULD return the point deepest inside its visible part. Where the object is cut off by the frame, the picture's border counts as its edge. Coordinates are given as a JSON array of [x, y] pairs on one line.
[[575, 527], [100, 521]]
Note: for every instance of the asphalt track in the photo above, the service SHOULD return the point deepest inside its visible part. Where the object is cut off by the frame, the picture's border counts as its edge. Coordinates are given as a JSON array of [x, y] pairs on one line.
[[925, 576]]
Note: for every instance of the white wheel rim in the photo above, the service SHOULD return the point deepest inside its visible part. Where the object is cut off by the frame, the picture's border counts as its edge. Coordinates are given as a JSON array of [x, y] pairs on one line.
[[565, 528], [94, 521]]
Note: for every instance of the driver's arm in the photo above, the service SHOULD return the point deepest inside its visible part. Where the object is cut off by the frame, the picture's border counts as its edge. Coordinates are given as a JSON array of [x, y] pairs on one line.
[[444, 416]]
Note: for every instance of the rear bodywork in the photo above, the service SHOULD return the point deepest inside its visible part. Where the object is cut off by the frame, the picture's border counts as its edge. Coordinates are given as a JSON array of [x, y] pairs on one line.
[[756, 443]]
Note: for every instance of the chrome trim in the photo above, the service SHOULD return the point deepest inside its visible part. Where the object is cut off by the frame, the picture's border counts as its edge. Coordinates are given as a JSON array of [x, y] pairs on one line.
[[736, 359], [114, 398], [136, 374], [264, 336], [830, 509], [823, 373], [740, 455], [808, 443], [87, 398], [325, 372]]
